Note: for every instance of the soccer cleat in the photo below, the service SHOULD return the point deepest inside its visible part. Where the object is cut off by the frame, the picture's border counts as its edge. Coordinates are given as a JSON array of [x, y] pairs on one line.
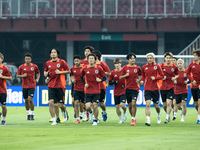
[[28, 117], [58, 120], [166, 121], [198, 121], [125, 116], [32, 117], [120, 122], [61, 119], [133, 122], [182, 120], [3, 122], [77, 122], [81, 117], [174, 118], [94, 123], [105, 117], [147, 123], [51, 120], [66, 116], [158, 119], [54, 123]]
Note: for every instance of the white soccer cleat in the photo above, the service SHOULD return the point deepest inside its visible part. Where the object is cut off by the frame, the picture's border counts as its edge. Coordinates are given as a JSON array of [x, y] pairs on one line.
[[147, 123], [94, 124], [120, 122], [158, 119], [182, 120], [54, 123]]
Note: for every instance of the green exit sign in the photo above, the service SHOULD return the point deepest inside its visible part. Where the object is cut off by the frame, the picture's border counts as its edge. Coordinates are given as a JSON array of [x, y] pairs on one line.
[[106, 37]]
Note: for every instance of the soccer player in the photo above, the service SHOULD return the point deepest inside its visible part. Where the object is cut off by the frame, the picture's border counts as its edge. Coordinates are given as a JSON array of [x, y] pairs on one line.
[[92, 74], [27, 72], [102, 84], [174, 60], [87, 50], [151, 73], [4, 75], [119, 89], [167, 88], [78, 86], [193, 72], [180, 90], [57, 69], [132, 74]]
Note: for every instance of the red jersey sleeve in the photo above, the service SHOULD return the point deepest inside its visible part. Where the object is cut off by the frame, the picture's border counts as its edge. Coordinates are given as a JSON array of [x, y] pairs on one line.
[[7, 73], [46, 67], [160, 72], [37, 69], [83, 72], [139, 71], [72, 73], [189, 73], [123, 71], [101, 72], [105, 67], [111, 76], [65, 65], [19, 71], [143, 74], [176, 70]]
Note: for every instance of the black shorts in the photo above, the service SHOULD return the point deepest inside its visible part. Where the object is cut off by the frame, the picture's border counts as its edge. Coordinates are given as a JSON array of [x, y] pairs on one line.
[[57, 94], [92, 98], [119, 99], [79, 95], [102, 95], [3, 97], [180, 97], [131, 95], [152, 95], [167, 94], [195, 94], [72, 90], [28, 92]]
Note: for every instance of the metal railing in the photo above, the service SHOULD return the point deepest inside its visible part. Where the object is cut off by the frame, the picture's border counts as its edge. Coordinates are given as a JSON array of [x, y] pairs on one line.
[[98, 8]]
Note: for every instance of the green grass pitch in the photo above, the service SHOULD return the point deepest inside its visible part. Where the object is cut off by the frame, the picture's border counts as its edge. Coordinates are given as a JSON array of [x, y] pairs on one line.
[[40, 135]]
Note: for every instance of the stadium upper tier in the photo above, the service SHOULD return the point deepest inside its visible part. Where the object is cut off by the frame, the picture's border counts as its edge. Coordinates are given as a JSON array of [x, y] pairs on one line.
[[99, 8]]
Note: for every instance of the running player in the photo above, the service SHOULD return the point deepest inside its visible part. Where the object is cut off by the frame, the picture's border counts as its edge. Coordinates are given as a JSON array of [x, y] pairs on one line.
[[4, 75], [57, 69], [193, 72], [27, 72], [181, 90], [151, 73], [132, 74], [167, 88], [78, 86], [102, 84], [119, 89], [92, 74], [87, 50]]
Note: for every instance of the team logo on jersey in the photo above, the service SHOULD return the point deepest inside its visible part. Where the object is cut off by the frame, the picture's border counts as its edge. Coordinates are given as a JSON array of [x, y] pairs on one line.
[[24, 68], [135, 70], [185, 75], [96, 71], [172, 69], [128, 71], [87, 72], [49, 66], [58, 65], [193, 66], [164, 69], [115, 76], [74, 71], [32, 68], [146, 68], [155, 67], [1, 71]]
